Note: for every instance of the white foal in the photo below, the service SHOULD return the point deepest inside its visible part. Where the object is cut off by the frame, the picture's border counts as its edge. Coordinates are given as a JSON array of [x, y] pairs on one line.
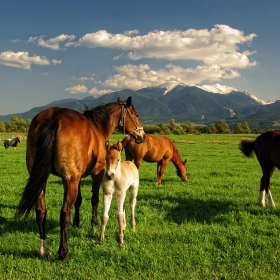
[[119, 176]]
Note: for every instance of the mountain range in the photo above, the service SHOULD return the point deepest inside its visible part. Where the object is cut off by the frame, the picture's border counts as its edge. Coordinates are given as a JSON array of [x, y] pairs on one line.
[[200, 105]]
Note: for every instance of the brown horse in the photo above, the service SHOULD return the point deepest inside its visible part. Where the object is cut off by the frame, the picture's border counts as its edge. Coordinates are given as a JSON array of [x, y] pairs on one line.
[[267, 150], [71, 145], [160, 150]]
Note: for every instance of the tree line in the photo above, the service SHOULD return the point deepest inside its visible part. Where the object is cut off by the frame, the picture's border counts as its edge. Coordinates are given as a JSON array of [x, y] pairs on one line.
[[220, 127], [18, 124]]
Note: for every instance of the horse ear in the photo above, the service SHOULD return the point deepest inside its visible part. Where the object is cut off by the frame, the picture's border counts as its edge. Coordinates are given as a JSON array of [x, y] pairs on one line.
[[125, 141], [107, 145], [119, 146], [118, 100], [185, 161], [128, 102]]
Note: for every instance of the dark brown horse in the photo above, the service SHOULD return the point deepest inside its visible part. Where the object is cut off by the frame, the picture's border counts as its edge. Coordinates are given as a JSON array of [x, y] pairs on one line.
[[267, 150], [71, 145], [155, 149]]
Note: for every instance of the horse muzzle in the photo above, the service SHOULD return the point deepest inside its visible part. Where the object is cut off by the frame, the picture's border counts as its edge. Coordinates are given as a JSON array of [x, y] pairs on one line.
[[140, 138], [110, 176]]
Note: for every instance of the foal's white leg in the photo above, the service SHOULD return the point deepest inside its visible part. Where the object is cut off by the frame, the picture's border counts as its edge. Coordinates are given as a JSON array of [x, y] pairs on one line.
[[43, 248], [121, 216], [262, 198], [105, 216], [133, 195], [270, 199]]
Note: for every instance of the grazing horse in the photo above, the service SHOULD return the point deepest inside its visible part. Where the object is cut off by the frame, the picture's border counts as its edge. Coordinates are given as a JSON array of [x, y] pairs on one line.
[[119, 176], [71, 145], [12, 142], [155, 149], [267, 150]]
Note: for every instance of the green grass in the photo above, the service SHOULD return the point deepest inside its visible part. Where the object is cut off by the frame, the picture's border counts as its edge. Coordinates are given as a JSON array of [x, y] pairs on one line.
[[208, 228]]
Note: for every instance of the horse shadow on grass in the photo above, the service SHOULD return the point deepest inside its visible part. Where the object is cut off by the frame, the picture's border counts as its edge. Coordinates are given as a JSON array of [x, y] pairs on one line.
[[183, 209]]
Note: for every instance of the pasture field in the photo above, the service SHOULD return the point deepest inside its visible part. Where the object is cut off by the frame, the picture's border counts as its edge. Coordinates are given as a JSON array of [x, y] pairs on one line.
[[208, 228]]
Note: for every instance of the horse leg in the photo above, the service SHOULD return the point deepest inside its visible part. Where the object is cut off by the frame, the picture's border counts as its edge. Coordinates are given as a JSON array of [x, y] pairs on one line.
[[78, 202], [121, 216], [41, 213], [268, 192], [70, 196], [265, 186], [107, 198], [160, 170], [133, 195], [96, 181]]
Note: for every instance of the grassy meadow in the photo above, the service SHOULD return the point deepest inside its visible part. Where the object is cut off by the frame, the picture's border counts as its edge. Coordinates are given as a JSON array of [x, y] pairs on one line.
[[208, 228]]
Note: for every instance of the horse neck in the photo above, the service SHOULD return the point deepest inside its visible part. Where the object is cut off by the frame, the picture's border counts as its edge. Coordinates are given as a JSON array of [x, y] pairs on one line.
[[176, 158], [113, 121]]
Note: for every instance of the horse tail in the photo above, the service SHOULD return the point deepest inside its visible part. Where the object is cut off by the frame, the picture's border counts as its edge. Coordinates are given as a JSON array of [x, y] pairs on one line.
[[6, 144], [247, 147], [41, 169]]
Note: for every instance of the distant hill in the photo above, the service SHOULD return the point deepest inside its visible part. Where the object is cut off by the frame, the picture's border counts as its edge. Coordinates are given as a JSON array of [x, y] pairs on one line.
[[183, 103]]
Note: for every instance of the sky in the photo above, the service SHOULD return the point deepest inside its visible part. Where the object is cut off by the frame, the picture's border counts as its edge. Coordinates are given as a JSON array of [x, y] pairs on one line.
[[52, 50]]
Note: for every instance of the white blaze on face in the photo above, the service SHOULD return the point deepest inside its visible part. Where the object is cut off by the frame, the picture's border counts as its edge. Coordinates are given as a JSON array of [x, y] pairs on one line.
[[112, 163]]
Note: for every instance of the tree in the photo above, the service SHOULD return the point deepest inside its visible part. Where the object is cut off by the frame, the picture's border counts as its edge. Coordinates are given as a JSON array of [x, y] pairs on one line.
[[175, 128], [205, 129], [238, 128], [2, 127], [246, 128], [188, 127], [241, 128], [151, 129], [222, 127], [213, 128]]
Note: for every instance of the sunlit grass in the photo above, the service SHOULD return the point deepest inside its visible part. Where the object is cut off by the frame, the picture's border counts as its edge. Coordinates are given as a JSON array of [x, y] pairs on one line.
[[208, 228]]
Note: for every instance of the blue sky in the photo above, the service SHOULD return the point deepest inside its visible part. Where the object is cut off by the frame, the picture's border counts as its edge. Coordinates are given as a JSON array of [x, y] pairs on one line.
[[52, 50]]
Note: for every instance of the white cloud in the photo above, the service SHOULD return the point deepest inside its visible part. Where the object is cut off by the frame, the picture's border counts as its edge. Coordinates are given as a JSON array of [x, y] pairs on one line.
[[216, 46], [55, 62], [139, 76], [131, 32], [77, 89], [97, 92], [53, 43], [15, 40], [21, 59]]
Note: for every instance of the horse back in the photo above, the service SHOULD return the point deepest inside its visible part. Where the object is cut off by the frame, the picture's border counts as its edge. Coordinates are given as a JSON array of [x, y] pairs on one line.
[[267, 147], [158, 148], [78, 144], [129, 173]]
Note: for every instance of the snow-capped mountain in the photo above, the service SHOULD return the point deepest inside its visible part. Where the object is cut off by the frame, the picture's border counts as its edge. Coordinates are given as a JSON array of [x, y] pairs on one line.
[[217, 88], [207, 104]]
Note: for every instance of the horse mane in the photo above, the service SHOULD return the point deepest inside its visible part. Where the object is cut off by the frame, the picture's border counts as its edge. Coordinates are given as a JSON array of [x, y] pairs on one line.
[[99, 115], [176, 154]]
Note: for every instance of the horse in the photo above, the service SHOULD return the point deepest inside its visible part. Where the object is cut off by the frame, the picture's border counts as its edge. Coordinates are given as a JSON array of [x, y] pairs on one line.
[[71, 145], [119, 177], [155, 149], [267, 149], [12, 142]]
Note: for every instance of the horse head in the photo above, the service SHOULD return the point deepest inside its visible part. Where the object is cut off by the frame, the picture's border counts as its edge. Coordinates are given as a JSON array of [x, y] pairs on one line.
[[113, 159], [129, 121], [182, 171]]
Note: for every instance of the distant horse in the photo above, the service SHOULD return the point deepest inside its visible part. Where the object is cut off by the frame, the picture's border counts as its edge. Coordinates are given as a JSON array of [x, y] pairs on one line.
[[12, 142], [155, 149], [267, 150], [71, 145], [119, 176]]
